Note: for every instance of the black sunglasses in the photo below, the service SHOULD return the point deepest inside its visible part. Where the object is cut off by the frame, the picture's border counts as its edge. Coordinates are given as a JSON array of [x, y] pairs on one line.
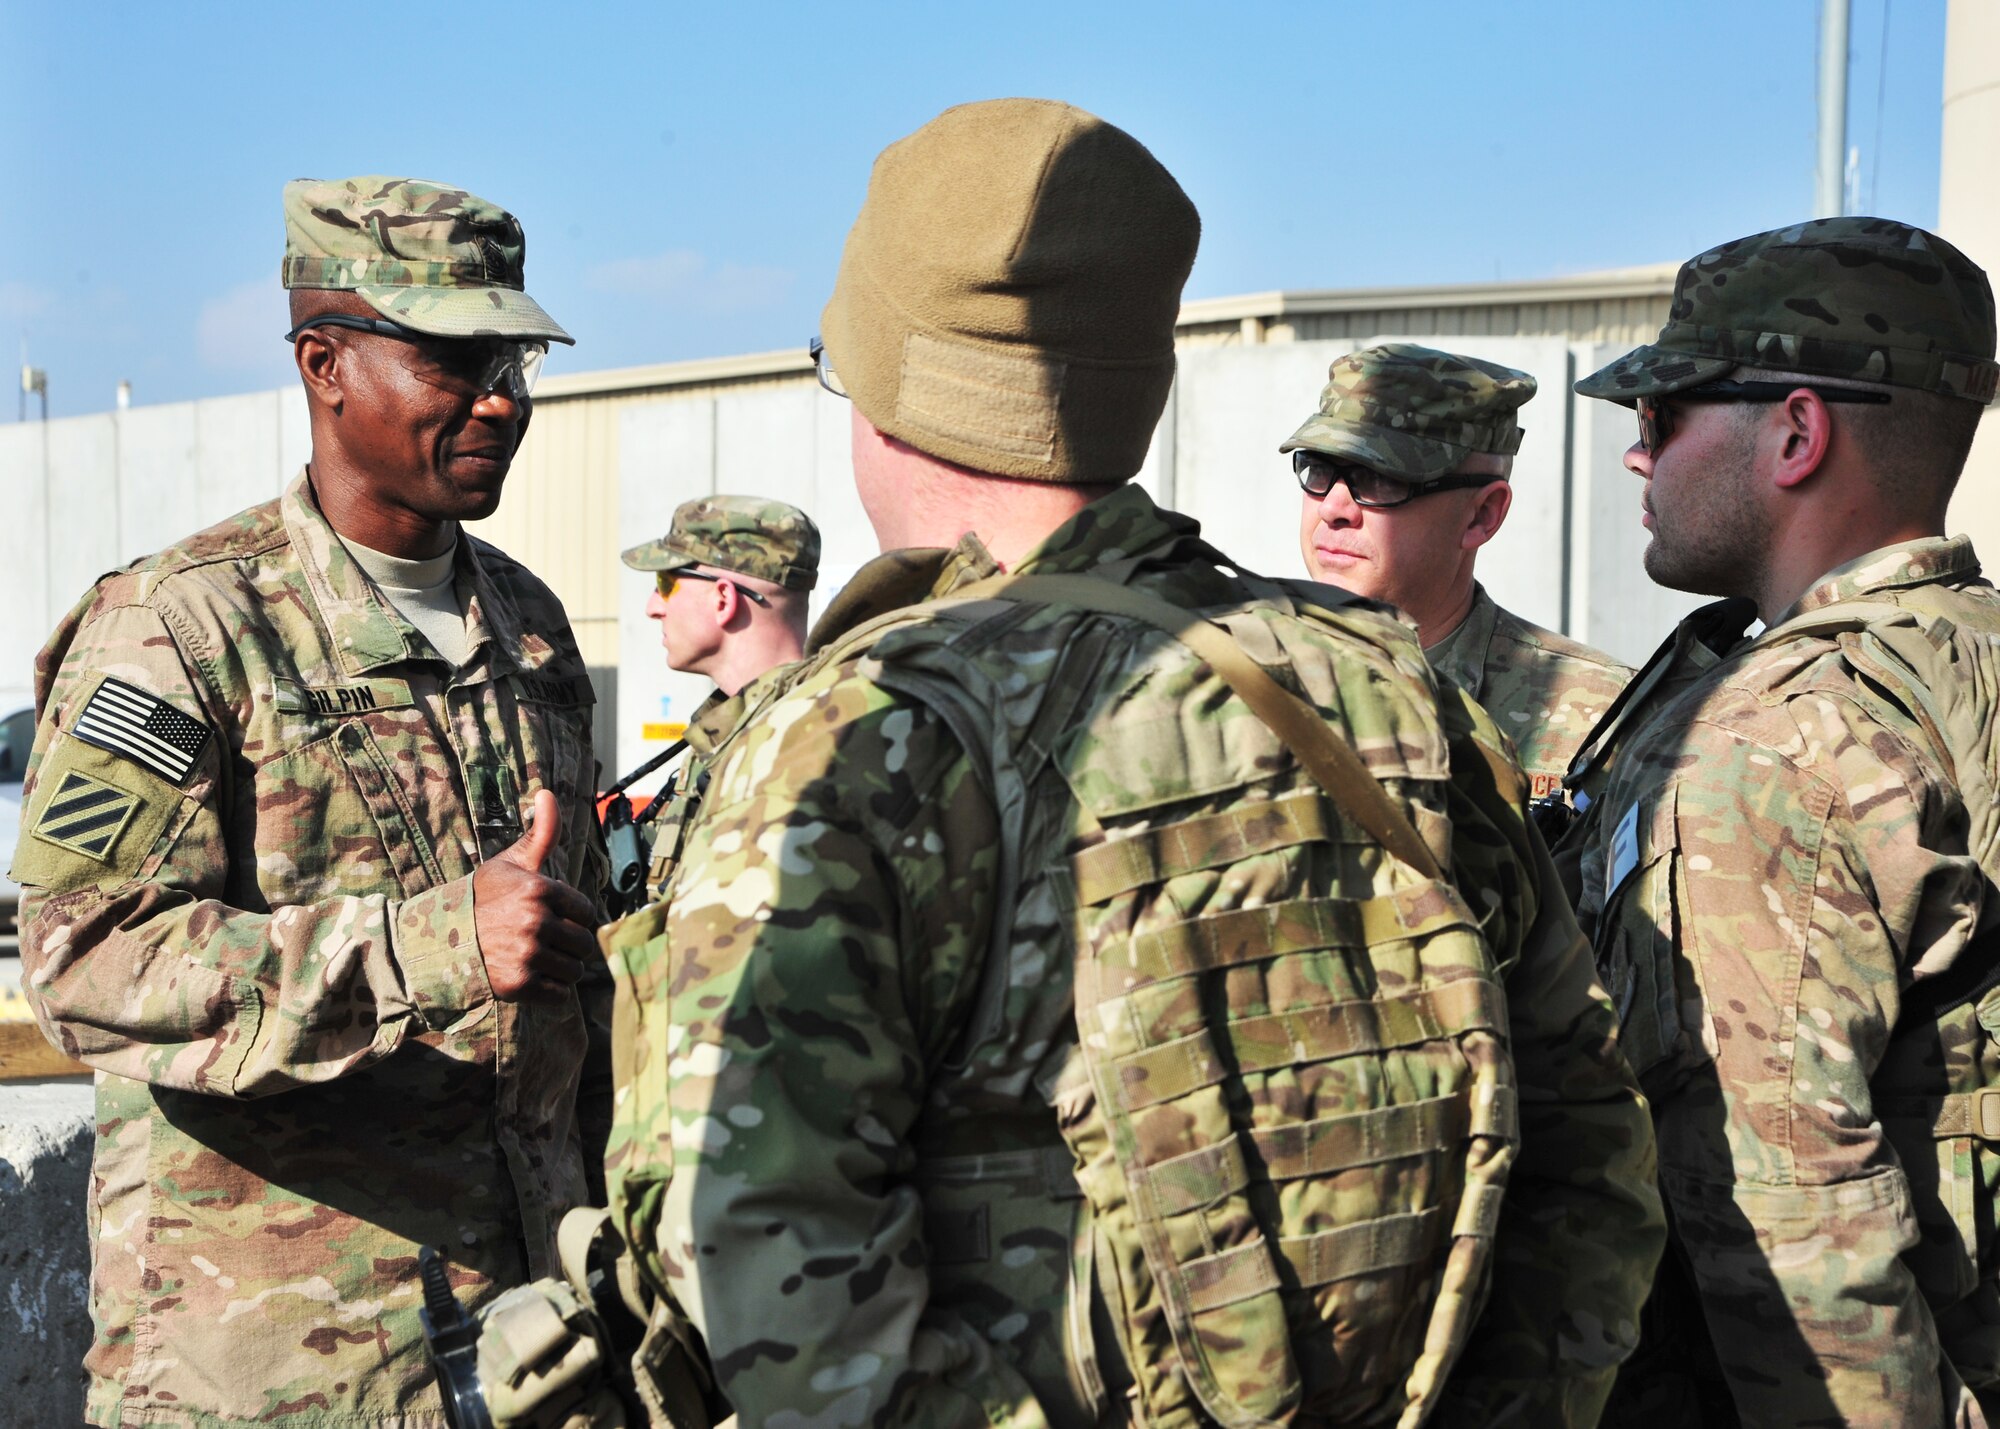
[[1378, 490], [663, 582], [1656, 413]]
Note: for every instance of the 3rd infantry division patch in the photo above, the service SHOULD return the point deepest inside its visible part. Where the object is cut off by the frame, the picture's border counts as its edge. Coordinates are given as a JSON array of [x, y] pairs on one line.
[[86, 815]]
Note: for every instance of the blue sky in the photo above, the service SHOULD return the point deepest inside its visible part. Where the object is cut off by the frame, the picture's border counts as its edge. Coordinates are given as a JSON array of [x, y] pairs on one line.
[[686, 173]]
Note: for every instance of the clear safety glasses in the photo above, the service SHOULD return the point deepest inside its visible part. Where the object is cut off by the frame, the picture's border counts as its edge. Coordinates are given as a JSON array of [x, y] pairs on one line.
[[470, 365]]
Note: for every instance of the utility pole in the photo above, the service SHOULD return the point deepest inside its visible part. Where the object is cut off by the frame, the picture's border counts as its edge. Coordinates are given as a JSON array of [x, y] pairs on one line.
[[1831, 181], [34, 379]]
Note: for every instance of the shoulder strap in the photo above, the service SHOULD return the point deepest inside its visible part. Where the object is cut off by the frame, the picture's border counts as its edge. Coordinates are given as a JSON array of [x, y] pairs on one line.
[[1330, 759], [1717, 626]]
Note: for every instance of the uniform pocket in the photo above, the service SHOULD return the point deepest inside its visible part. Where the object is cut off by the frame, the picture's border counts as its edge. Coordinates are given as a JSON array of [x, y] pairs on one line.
[[556, 755], [1644, 907], [344, 818]]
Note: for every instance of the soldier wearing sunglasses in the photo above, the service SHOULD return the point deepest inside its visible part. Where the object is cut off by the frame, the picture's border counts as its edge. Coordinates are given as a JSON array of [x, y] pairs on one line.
[[730, 584], [1405, 472], [731, 577], [1789, 873]]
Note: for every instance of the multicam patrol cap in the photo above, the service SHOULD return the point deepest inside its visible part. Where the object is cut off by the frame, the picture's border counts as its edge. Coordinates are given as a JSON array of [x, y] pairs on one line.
[[750, 535], [431, 257], [1867, 299], [1414, 411]]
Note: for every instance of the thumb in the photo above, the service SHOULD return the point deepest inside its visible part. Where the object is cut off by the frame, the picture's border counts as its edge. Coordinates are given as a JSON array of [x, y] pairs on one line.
[[539, 841]]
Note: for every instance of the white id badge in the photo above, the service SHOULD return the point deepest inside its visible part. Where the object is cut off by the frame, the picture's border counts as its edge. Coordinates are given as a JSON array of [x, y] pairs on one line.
[[1624, 851]]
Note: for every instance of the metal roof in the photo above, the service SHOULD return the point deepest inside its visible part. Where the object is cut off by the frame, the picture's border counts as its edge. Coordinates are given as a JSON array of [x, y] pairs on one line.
[[1654, 280]]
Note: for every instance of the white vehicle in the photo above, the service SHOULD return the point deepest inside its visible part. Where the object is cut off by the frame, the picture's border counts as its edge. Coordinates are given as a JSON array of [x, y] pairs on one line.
[[17, 738]]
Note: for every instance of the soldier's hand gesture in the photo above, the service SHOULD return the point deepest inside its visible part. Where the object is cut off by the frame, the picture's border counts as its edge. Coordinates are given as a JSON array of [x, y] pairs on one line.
[[534, 932]]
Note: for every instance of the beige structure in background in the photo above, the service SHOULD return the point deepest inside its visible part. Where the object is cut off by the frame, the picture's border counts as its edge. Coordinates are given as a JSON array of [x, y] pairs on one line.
[[1969, 215]]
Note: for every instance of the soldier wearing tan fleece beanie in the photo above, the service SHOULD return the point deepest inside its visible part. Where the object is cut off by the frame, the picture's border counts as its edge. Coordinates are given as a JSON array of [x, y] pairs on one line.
[[1007, 298]]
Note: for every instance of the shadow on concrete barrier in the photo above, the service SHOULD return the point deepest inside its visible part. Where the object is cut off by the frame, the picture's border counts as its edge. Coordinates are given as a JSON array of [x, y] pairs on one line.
[[46, 1140]]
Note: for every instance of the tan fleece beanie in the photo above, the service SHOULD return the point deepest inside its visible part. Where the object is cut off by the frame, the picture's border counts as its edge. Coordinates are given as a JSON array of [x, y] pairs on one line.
[[1007, 298]]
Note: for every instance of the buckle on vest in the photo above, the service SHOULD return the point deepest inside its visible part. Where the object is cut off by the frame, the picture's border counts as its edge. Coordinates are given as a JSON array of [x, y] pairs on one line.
[[1985, 1116]]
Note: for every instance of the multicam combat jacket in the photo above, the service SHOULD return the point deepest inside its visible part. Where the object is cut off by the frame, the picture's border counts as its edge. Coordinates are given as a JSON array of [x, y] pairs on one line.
[[270, 959], [1545, 691], [1779, 887], [713, 724], [839, 1047]]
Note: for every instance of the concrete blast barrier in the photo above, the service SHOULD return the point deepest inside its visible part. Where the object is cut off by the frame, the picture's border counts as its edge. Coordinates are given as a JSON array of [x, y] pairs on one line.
[[46, 1140]]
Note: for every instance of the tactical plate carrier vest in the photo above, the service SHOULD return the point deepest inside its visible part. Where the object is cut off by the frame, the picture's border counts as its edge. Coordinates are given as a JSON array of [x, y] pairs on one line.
[[1275, 1129]]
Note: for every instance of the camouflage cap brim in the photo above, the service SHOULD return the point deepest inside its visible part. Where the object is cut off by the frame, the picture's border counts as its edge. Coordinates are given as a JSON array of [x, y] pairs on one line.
[[656, 556], [1652, 371], [668, 555], [465, 312], [1396, 453]]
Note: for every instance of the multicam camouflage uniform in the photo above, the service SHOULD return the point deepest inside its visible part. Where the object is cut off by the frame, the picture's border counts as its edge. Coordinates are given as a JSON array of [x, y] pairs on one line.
[[1791, 917], [753, 536], [840, 1152], [1421, 413], [1545, 691], [256, 802], [273, 960]]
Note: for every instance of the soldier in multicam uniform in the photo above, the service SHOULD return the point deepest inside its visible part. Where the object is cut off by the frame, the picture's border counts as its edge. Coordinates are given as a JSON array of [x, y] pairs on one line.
[[1783, 877], [742, 567], [1405, 471], [732, 578], [278, 888], [861, 1147]]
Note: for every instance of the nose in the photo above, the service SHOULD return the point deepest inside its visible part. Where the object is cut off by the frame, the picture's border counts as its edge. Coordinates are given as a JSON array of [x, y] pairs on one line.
[[504, 402], [1638, 462], [1338, 507], [655, 607]]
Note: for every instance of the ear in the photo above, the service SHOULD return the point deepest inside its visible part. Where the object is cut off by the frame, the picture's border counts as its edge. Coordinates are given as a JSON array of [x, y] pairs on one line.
[[1799, 437], [1482, 523], [727, 604], [319, 368]]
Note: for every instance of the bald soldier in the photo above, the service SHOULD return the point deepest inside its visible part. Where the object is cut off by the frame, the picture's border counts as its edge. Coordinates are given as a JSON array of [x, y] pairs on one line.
[[1789, 874], [1405, 472], [309, 862], [732, 579]]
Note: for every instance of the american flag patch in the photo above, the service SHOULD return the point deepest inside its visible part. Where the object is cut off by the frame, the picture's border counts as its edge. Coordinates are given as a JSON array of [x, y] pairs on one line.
[[142, 727]]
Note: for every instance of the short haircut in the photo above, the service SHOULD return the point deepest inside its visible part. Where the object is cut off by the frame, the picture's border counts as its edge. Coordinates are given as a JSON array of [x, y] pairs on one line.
[[1914, 445]]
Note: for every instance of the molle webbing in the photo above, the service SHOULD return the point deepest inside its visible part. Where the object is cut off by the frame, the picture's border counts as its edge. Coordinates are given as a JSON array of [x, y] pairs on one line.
[[1333, 763], [1295, 1111], [1365, 1248], [1320, 1148], [1108, 869], [1287, 1039], [1244, 935]]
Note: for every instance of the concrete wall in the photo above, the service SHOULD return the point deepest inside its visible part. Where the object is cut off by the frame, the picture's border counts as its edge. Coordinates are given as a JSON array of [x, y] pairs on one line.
[[85, 495], [45, 1148]]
